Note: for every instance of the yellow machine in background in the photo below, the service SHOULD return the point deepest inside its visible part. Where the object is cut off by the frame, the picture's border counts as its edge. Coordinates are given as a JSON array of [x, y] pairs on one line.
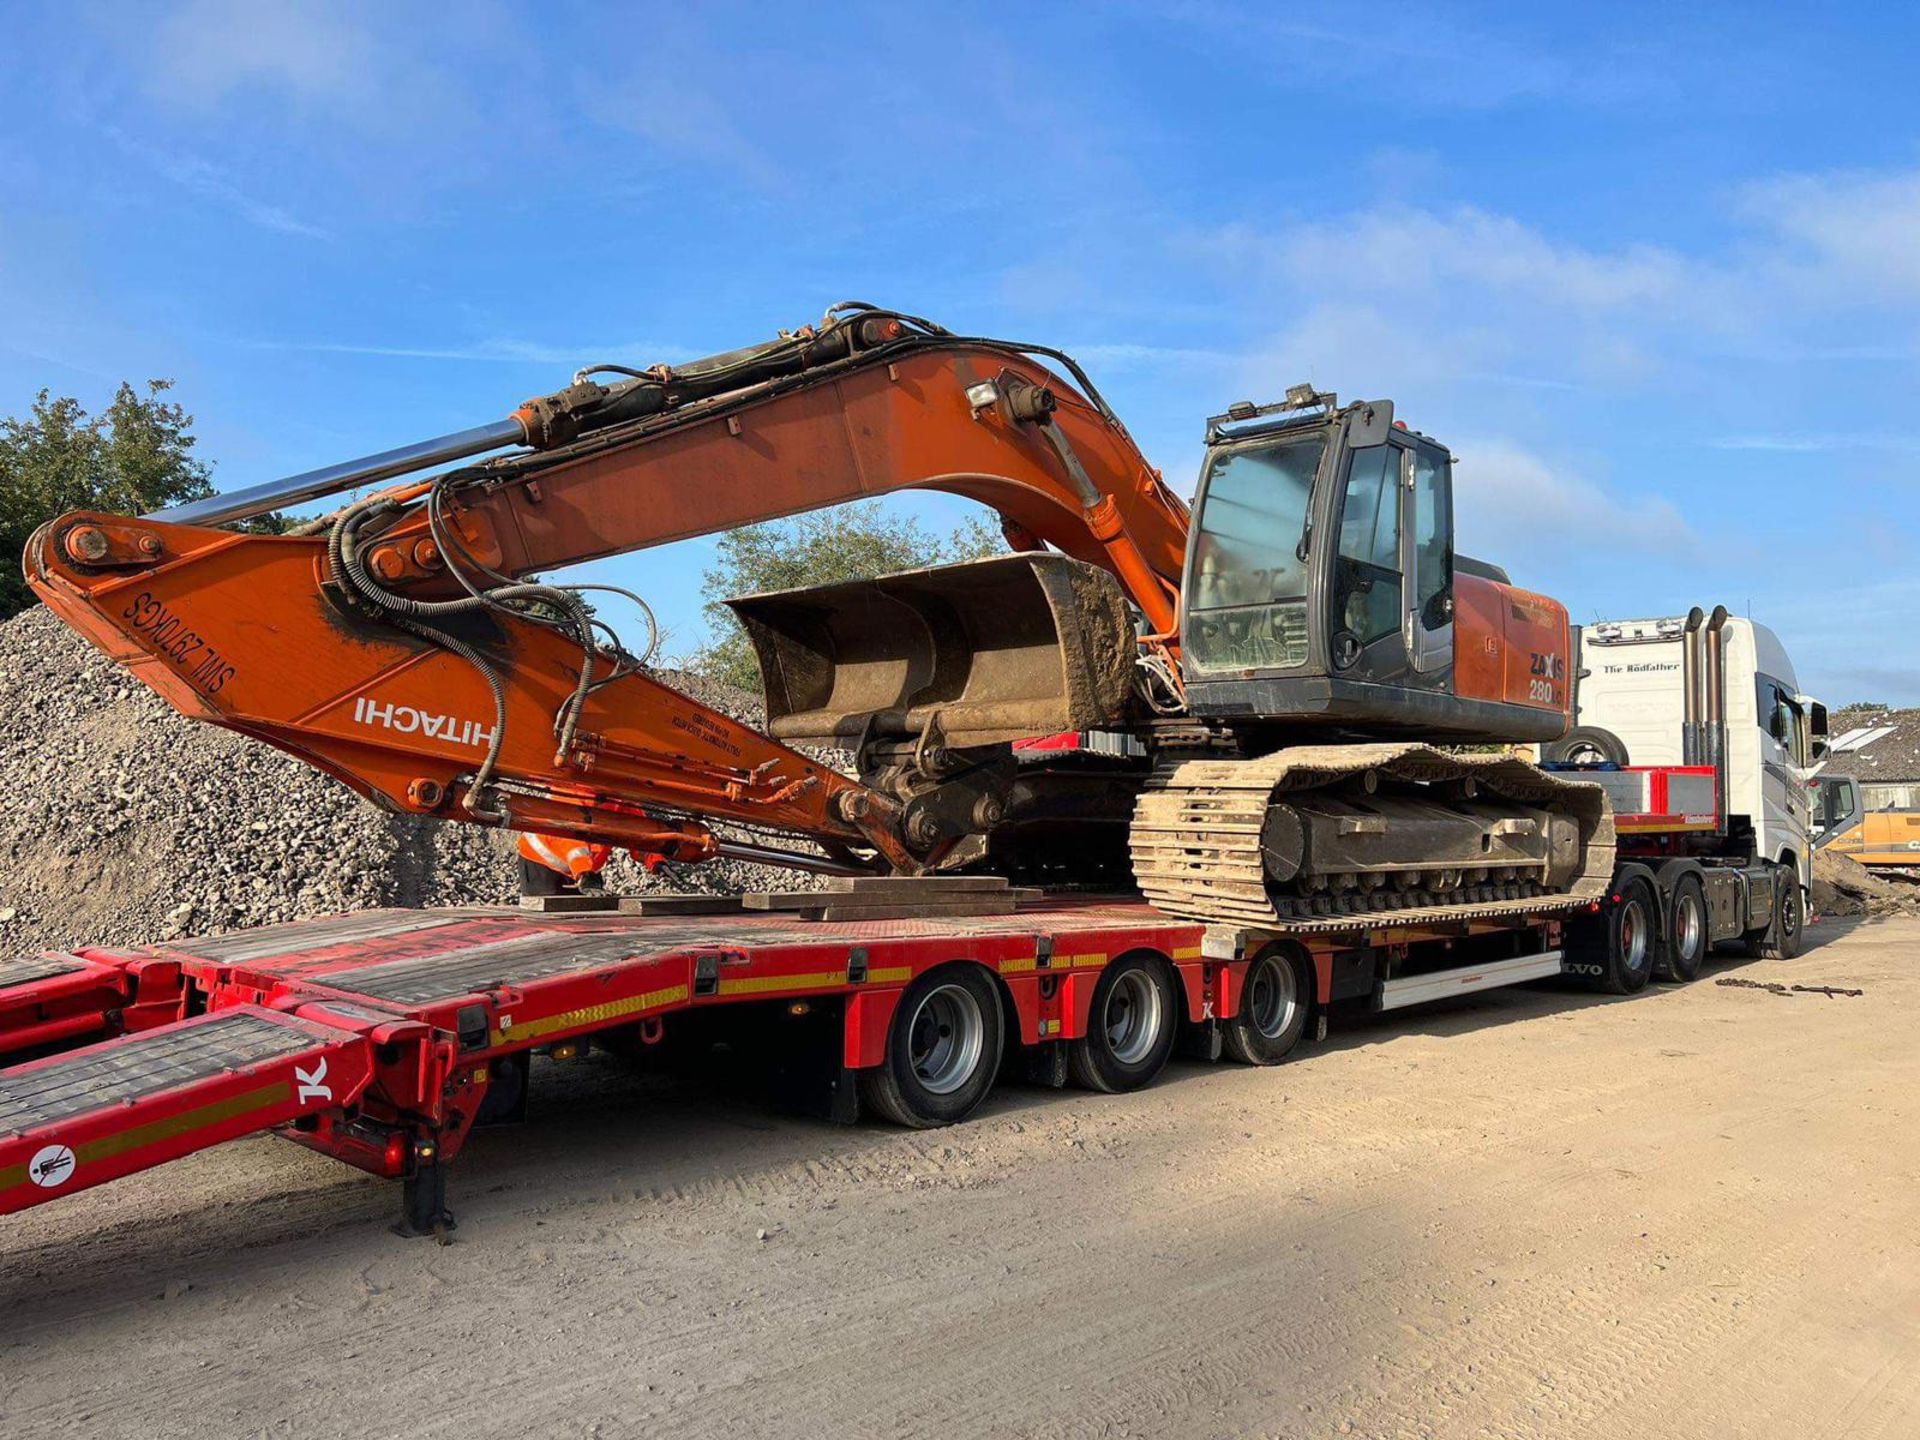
[[1882, 840]]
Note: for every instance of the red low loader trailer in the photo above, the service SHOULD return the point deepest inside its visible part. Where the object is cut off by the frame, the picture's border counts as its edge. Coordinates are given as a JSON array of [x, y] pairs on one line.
[[383, 1038]]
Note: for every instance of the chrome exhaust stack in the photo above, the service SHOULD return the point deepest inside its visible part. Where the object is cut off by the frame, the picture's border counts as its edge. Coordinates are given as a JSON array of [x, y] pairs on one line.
[[1692, 702], [1715, 753]]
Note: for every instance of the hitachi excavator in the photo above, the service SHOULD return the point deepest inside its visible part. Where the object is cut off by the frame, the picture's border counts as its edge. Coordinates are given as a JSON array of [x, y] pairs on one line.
[[1257, 681]]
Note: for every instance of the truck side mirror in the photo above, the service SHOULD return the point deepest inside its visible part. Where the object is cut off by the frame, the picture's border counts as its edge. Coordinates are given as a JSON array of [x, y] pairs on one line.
[[1817, 745]]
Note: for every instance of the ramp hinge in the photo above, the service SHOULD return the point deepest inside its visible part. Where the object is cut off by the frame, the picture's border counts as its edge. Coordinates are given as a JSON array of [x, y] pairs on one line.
[[1043, 952], [857, 965]]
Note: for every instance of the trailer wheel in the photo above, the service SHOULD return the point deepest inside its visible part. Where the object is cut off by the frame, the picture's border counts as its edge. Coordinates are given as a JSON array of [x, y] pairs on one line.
[[1616, 950], [1274, 1006], [1131, 1027], [1783, 938], [943, 1050], [1686, 940]]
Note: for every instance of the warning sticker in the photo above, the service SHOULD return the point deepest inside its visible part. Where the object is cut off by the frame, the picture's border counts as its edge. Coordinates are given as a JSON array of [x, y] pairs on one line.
[[51, 1166]]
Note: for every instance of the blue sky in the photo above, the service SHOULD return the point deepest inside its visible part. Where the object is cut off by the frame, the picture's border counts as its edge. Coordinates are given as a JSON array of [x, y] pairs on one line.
[[1652, 272]]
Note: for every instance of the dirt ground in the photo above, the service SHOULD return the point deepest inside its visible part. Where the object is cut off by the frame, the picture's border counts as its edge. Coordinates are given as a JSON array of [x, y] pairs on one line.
[[1531, 1213]]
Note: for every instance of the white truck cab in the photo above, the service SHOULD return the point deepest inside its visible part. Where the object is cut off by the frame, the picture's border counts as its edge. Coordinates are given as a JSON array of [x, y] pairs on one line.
[[1637, 686]]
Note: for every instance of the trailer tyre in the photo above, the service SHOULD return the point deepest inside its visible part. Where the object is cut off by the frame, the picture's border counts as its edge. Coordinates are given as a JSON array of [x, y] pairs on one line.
[[1685, 945], [943, 1050], [1274, 1006], [1131, 1026], [1615, 951]]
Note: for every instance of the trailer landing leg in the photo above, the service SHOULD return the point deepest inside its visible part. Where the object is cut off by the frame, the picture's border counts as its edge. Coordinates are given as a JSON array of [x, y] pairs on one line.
[[423, 1204]]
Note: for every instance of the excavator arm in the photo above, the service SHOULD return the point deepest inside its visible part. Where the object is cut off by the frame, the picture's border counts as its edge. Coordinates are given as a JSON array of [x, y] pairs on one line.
[[401, 644]]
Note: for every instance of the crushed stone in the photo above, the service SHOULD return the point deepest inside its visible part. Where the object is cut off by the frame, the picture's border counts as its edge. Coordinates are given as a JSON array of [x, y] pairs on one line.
[[126, 823]]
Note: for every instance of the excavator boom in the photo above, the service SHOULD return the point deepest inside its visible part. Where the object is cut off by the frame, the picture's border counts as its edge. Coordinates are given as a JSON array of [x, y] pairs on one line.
[[402, 646]]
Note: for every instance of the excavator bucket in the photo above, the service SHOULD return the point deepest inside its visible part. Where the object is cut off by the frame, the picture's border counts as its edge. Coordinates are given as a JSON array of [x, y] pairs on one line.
[[989, 651]]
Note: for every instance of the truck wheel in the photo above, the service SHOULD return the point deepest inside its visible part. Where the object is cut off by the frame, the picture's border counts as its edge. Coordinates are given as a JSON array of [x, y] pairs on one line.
[[943, 1049], [1615, 951], [1586, 745], [1783, 938], [1686, 942], [1273, 1010], [1130, 1028]]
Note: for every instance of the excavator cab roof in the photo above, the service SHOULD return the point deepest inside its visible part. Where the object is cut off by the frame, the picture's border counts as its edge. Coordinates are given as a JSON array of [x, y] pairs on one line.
[[1300, 407]]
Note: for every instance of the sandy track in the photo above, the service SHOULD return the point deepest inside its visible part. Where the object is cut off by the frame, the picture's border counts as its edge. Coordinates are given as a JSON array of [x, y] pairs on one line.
[[1526, 1214]]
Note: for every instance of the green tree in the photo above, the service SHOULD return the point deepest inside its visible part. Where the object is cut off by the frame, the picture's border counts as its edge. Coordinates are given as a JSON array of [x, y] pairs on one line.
[[848, 542], [134, 457]]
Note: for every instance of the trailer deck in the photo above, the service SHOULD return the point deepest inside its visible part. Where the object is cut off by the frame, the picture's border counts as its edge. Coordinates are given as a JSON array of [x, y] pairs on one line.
[[382, 1038]]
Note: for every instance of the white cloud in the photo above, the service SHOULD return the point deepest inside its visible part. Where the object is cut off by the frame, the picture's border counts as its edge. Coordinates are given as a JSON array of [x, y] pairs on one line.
[[205, 179], [1407, 250], [1126, 356], [207, 49], [350, 89], [1510, 504], [658, 99], [1847, 230], [1813, 443]]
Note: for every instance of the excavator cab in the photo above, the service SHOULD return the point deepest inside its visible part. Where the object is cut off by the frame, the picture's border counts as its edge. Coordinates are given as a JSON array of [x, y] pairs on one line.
[[1322, 584]]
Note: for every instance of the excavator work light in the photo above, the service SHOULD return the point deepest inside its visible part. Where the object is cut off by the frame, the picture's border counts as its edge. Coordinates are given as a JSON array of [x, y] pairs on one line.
[[983, 396]]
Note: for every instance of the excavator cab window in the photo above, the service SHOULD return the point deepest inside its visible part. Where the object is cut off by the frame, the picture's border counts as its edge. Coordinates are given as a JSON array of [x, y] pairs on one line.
[[1247, 583], [1836, 805], [1367, 573], [1431, 546]]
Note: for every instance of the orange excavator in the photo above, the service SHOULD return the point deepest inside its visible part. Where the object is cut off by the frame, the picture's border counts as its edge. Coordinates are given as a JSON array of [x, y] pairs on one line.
[[1253, 682]]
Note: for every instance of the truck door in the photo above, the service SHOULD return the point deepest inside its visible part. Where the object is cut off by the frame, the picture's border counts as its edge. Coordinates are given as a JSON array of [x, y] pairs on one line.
[[1785, 803]]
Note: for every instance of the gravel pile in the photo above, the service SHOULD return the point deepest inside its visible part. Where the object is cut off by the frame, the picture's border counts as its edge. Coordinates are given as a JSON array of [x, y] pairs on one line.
[[124, 822]]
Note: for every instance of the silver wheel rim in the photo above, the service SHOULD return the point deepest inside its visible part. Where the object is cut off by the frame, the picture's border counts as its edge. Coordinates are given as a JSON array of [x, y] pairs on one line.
[[1633, 936], [1790, 911], [1271, 998], [1134, 1016], [945, 1036], [1687, 926]]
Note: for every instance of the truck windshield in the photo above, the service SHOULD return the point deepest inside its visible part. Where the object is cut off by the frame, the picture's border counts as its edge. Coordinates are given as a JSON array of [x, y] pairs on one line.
[[1247, 594]]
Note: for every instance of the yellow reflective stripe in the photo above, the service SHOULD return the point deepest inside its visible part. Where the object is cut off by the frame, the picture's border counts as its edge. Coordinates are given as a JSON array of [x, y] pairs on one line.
[[1075, 962], [590, 1015], [894, 975], [105, 1147], [1187, 952], [1017, 967], [760, 984]]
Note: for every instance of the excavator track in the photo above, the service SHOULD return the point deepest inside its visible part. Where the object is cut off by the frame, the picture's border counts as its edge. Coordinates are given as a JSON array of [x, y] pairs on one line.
[[1198, 829]]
